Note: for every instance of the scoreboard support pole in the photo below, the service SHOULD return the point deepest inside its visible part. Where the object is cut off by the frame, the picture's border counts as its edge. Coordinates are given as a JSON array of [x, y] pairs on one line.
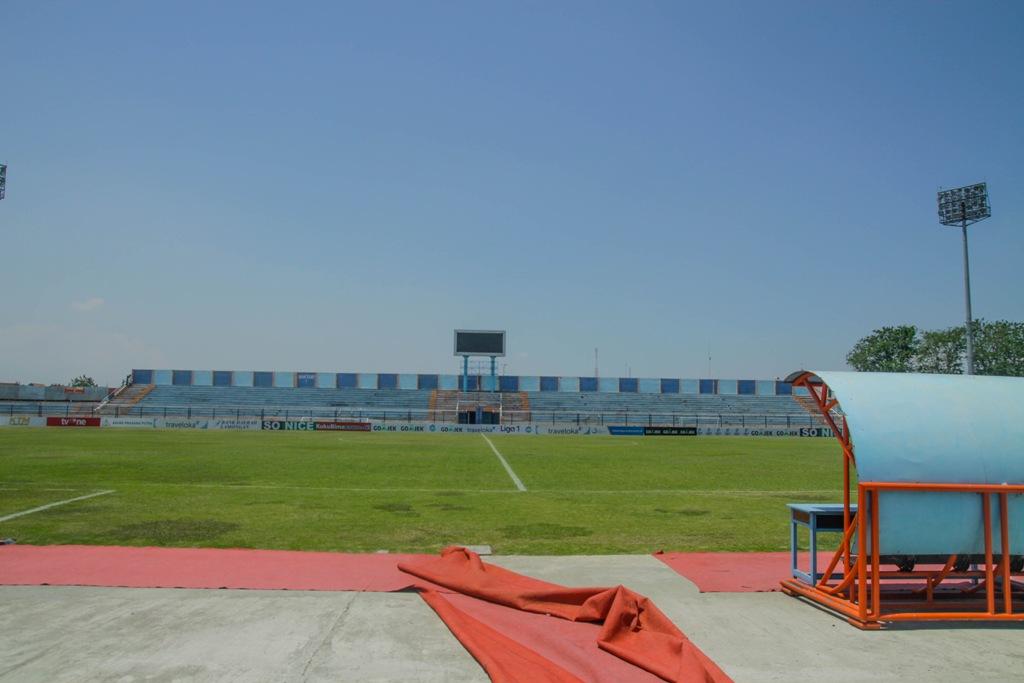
[[480, 344]]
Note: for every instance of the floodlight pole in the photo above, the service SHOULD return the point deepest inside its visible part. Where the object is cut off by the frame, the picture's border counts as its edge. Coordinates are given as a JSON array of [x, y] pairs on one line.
[[965, 206], [967, 294]]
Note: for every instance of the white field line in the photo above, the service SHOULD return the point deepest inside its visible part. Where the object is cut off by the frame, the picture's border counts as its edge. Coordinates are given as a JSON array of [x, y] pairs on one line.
[[53, 505], [508, 468]]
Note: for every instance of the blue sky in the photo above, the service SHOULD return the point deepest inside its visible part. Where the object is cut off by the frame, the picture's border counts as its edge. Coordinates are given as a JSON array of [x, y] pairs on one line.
[[337, 186]]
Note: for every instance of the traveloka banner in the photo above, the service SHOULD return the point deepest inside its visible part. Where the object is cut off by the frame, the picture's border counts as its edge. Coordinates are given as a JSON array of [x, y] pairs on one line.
[[184, 423]]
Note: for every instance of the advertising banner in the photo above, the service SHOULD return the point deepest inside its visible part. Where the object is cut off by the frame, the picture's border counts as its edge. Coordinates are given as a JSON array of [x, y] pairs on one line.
[[183, 423], [670, 431], [22, 421], [180, 423], [315, 426], [625, 430], [248, 424], [570, 429], [336, 426], [72, 422], [437, 428], [138, 422], [760, 431], [288, 425]]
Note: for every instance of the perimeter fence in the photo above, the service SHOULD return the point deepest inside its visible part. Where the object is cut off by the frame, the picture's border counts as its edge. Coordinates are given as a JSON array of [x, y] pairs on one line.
[[602, 418]]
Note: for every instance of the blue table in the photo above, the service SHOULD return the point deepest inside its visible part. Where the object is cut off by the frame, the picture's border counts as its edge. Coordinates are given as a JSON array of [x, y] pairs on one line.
[[816, 517]]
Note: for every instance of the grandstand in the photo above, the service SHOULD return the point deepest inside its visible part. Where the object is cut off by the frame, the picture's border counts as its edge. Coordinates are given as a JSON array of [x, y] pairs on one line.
[[439, 398], [427, 398]]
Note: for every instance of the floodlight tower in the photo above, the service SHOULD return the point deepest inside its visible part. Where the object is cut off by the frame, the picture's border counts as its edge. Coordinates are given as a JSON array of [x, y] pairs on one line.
[[963, 206]]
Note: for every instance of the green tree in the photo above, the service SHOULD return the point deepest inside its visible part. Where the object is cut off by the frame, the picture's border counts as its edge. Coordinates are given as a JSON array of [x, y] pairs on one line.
[[889, 349], [999, 348], [83, 381], [941, 351]]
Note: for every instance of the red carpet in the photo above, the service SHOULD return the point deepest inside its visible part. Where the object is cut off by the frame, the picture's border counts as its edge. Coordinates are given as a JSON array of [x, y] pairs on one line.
[[631, 627], [737, 572], [83, 565]]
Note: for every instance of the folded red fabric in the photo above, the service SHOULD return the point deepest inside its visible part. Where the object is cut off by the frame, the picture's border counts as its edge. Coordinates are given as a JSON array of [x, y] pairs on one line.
[[632, 627]]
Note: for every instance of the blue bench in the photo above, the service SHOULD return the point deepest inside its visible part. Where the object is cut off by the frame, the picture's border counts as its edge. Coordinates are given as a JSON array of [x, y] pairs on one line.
[[816, 517]]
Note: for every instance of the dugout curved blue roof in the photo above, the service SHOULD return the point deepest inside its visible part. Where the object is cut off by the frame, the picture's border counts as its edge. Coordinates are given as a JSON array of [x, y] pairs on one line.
[[955, 429]]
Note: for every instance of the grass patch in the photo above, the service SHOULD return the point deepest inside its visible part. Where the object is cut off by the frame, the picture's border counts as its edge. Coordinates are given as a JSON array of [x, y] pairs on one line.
[[408, 492]]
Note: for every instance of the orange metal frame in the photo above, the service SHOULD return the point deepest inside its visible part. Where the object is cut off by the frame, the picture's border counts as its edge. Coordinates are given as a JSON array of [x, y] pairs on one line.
[[863, 598]]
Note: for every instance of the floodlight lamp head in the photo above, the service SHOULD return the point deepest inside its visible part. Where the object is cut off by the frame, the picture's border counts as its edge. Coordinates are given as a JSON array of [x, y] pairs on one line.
[[3, 180], [964, 205]]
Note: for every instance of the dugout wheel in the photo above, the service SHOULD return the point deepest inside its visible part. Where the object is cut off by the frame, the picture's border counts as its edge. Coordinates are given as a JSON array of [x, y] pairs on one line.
[[1017, 563], [906, 563], [962, 564]]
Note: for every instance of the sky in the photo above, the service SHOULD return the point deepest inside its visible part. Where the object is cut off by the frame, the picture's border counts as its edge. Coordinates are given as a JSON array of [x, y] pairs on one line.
[[337, 186]]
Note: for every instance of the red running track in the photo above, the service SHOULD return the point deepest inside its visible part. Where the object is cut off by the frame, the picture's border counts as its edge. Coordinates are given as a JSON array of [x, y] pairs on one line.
[[736, 572], [80, 565], [115, 566]]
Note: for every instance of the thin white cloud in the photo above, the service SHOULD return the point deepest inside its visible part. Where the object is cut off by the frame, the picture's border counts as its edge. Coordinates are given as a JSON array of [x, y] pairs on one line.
[[90, 304]]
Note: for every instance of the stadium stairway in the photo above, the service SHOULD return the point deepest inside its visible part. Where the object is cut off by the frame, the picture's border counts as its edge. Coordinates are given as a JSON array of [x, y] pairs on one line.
[[124, 400], [513, 406]]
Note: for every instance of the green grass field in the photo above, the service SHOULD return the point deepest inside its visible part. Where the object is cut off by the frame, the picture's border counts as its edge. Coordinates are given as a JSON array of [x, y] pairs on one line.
[[409, 493]]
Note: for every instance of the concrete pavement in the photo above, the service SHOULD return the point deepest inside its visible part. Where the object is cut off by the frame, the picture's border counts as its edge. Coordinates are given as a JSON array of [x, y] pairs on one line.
[[115, 634]]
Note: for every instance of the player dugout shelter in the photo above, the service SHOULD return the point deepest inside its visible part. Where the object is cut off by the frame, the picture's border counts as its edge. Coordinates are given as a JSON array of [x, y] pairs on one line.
[[937, 529]]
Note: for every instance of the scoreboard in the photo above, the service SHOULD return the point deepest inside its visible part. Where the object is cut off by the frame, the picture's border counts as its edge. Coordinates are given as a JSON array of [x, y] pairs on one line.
[[479, 342]]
